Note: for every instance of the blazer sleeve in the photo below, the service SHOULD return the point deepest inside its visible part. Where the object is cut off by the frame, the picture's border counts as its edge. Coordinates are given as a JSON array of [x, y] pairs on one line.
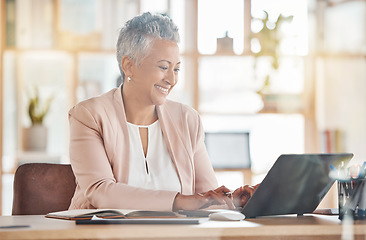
[[93, 169]]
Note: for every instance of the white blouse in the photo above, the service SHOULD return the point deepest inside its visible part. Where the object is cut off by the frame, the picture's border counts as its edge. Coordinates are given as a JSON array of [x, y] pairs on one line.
[[155, 171]]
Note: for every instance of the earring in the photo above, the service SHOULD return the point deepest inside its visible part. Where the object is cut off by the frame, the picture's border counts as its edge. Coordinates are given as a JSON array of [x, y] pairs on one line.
[[128, 79]]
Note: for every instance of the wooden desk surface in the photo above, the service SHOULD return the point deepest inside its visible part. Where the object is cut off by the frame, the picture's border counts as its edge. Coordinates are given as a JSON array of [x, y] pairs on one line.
[[284, 227]]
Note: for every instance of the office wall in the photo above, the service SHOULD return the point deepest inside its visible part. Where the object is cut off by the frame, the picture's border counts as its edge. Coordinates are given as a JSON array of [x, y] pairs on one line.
[[340, 69], [342, 102]]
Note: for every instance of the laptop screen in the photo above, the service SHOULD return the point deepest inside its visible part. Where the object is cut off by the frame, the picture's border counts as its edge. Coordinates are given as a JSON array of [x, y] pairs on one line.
[[295, 184]]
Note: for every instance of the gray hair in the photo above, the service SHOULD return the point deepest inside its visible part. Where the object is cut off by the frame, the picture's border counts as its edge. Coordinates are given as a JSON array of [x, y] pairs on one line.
[[137, 35]]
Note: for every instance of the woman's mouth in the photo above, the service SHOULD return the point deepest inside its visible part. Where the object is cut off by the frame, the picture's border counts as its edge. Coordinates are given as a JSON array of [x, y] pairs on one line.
[[162, 89]]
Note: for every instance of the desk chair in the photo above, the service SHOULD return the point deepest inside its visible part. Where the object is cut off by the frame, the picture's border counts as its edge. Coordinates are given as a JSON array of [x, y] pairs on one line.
[[230, 151], [40, 188]]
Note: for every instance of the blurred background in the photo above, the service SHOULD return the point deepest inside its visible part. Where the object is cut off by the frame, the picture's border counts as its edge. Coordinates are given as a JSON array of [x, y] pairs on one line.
[[275, 76]]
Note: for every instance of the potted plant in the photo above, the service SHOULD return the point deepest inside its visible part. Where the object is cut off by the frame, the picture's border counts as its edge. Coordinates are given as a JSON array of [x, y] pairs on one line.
[[35, 136], [269, 39]]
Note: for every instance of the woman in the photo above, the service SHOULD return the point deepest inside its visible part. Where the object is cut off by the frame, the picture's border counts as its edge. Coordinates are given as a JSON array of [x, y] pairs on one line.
[[130, 148]]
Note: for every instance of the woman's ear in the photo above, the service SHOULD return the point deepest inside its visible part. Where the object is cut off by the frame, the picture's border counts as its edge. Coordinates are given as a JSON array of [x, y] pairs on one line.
[[127, 65]]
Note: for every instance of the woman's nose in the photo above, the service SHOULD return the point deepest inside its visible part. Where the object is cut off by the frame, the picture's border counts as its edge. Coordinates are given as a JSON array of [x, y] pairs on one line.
[[171, 78]]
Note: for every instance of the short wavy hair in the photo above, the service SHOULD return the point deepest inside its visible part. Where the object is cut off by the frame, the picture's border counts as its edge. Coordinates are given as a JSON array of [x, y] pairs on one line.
[[136, 37]]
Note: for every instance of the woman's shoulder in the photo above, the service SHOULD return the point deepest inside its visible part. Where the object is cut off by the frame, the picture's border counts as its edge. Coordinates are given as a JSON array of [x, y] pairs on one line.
[[180, 115], [179, 109], [184, 119], [97, 104]]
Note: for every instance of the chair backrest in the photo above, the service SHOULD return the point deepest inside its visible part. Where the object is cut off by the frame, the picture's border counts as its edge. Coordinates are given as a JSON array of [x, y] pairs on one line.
[[40, 188]]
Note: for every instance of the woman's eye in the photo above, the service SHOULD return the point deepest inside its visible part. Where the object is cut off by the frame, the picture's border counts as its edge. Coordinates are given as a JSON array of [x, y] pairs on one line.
[[163, 68], [177, 69]]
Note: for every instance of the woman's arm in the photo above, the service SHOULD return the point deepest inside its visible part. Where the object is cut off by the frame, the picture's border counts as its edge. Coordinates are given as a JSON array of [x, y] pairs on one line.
[[206, 191]]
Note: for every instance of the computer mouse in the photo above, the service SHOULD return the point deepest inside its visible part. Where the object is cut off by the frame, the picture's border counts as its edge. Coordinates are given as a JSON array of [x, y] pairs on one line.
[[227, 216]]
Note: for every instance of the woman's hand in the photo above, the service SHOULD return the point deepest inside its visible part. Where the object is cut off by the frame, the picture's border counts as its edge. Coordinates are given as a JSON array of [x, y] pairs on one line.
[[242, 195], [219, 196]]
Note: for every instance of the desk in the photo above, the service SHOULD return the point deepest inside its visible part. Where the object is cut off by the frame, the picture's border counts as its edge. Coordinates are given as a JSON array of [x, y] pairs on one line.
[[36, 156], [284, 227]]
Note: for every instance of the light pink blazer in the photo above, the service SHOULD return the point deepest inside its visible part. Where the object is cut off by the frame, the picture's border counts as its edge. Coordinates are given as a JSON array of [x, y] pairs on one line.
[[100, 154]]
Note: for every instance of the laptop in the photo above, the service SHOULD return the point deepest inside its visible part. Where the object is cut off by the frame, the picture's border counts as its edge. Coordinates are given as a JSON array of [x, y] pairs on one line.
[[295, 184]]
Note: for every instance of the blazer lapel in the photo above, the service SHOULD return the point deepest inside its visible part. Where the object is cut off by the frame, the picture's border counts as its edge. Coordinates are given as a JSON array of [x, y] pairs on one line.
[[122, 142], [177, 149]]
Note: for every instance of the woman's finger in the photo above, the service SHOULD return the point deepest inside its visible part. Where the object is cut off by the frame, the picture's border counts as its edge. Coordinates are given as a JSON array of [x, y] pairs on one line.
[[189, 202], [224, 190], [243, 194], [238, 192], [245, 188], [249, 189], [220, 198]]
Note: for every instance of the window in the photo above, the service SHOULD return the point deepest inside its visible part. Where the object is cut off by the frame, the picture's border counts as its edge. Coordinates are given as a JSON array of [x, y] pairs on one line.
[[344, 28], [215, 18]]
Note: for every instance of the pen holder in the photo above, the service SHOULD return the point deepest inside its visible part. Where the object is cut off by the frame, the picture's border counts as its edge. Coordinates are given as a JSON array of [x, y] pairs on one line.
[[352, 198]]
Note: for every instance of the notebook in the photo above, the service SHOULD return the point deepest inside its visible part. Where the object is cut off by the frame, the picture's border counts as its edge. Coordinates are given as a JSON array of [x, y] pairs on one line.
[[295, 184]]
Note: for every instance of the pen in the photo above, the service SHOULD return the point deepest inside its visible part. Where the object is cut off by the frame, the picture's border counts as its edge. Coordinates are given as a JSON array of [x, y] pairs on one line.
[[15, 226]]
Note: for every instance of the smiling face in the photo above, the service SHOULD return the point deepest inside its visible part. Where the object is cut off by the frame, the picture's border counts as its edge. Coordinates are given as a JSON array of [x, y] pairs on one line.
[[157, 74]]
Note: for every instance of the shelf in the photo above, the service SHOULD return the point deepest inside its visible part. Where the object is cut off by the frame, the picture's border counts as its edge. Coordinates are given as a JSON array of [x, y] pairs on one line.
[[282, 103], [340, 55], [81, 50]]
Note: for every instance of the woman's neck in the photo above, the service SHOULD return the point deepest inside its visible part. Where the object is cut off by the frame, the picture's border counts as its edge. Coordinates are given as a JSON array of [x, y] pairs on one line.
[[137, 112]]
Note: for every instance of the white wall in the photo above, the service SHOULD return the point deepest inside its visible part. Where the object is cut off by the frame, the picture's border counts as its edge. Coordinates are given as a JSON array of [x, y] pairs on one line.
[[341, 101]]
